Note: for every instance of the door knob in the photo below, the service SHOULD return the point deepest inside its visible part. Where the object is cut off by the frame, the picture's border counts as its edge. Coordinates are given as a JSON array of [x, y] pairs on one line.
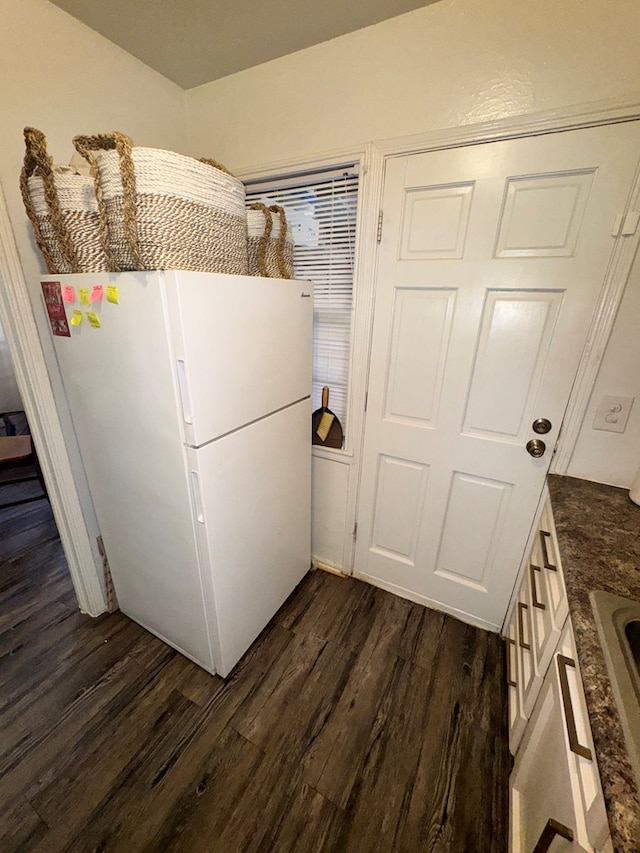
[[536, 447], [541, 426]]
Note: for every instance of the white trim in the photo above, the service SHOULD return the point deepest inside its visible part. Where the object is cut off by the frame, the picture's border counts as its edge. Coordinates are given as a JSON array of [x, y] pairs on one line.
[[305, 163], [18, 322], [370, 167], [592, 114], [325, 567], [361, 328]]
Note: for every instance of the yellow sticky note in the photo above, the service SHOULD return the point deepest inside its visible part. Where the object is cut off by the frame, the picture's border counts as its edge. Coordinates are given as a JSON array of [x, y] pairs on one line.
[[84, 296], [76, 318], [112, 294], [93, 319]]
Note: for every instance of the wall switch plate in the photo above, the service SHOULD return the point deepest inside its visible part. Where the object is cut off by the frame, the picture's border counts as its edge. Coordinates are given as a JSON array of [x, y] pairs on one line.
[[613, 413]]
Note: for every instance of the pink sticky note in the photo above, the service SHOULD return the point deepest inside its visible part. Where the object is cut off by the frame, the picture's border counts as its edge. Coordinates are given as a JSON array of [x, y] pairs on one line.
[[69, 293], [96, 293]]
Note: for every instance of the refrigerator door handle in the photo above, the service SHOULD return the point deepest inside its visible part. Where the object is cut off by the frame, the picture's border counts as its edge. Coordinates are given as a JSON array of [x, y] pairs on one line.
[[197, 497], [185, 398]]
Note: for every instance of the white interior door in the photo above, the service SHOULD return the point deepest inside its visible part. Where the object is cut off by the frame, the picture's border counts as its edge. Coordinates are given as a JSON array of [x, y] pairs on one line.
[[490, 265]]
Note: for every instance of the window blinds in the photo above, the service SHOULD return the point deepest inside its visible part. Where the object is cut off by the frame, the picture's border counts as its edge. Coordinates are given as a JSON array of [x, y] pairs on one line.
[[321, 210]]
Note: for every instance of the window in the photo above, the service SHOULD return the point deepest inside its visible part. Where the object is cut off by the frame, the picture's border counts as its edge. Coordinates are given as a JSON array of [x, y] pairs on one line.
[[321, 210]]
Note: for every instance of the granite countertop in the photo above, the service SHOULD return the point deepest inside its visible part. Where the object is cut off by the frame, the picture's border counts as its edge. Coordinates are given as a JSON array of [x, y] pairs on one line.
[[598, 531]]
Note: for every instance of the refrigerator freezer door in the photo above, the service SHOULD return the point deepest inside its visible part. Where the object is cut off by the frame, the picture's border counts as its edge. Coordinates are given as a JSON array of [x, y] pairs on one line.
[[254, 527], [120, 383], [231, 367]]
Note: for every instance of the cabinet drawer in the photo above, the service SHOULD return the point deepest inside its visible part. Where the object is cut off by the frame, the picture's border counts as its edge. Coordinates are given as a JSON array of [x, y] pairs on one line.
[[555, 785], [545, 631], [585, 776], [551, 566], [517, 718], [541, 789], [529, 680]]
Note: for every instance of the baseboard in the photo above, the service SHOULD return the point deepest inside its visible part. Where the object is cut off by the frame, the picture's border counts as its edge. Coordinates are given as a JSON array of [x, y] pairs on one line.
[[330, 569]]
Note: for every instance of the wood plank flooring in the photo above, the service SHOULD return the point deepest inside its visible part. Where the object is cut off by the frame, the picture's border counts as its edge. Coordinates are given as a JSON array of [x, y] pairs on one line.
[[357, 722]]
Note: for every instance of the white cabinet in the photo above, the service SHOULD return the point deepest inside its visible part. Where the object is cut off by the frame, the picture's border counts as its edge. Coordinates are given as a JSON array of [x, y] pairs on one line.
[[552, 566], [541, 789], [585, 777], [517, 717], [528, 674], [556, 796], [546, 615]]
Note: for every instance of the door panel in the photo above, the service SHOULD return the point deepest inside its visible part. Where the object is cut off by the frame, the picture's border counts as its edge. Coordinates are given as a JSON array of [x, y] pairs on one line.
[[435, 222], [398, 507], [543, 215], [490, 266], [465, 560], [421, 327], [515, 336]]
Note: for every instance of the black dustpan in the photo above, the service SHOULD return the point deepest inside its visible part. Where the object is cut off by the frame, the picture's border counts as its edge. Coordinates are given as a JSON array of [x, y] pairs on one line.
[[326, 429]]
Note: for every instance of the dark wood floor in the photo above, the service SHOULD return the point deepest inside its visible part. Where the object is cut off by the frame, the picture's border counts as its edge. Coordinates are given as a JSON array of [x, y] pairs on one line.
[[356, 722]]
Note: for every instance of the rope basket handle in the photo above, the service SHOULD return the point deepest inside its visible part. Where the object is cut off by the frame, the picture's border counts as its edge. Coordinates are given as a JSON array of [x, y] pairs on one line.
[[261, 258], [209, 162], [38, 162], [122, 144], [275, 208]]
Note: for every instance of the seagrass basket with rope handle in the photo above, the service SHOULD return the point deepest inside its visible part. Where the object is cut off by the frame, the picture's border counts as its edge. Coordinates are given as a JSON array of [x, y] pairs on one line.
[[63, 210], [162, 210], [270, 242]]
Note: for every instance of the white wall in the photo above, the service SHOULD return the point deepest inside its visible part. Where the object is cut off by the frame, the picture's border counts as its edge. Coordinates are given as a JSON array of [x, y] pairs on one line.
[[613, 457], [453, 63], [61, 77]]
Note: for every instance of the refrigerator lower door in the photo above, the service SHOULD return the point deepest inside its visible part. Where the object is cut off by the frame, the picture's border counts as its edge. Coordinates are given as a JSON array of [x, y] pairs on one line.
[[251, 492]]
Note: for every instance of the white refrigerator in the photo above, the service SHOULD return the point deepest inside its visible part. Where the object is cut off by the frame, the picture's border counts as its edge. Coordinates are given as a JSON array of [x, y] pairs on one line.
[[190, 398]]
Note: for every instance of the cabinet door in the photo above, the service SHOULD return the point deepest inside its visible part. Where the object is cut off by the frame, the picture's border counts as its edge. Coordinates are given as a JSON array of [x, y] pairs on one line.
[[552, 567], [517, 718], [585, 776], [541, 786], [529, 679], [545, 633]]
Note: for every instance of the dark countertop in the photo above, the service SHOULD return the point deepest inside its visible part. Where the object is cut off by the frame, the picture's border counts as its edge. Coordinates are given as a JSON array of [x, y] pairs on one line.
[[598, 531]]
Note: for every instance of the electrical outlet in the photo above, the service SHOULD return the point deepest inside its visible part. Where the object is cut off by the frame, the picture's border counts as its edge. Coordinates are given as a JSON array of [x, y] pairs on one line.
[[613, 413]]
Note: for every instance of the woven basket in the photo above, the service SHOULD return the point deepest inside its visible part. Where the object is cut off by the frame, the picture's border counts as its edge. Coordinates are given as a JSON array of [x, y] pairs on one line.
[[63, 210], [270, 243], [161, 210]]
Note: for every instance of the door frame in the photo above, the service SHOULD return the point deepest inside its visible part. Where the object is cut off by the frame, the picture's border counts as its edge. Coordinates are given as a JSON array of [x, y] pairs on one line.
[[34, 385], [582, 116], [593, 114]]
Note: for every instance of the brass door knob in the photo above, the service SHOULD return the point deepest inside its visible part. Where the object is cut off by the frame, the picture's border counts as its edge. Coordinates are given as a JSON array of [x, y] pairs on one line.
[[541, 426], [536, 447]]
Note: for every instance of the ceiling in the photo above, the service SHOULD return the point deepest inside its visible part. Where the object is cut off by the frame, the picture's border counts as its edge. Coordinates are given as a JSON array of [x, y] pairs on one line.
[[195, 41]]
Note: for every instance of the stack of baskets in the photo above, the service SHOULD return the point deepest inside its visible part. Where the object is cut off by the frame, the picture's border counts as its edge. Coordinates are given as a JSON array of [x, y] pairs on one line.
[[147, 209]]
